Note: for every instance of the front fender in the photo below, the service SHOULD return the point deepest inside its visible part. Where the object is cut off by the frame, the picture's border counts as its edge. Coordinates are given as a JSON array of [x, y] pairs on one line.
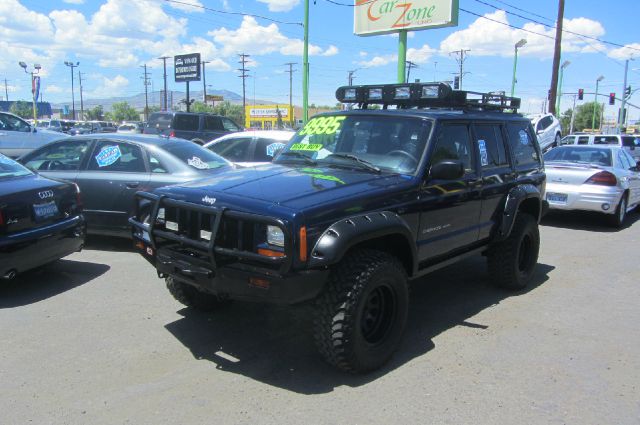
[[515, 198], [334, 242]]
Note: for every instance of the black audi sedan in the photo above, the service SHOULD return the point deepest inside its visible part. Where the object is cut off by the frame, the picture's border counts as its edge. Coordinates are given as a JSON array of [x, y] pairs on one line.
[[111, 168], [40, 219]]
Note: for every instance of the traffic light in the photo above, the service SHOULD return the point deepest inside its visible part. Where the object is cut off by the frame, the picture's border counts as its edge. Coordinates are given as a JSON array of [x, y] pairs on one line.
[[612, 98], [580, 94], [627, 91], [456, 82], [548, 94]]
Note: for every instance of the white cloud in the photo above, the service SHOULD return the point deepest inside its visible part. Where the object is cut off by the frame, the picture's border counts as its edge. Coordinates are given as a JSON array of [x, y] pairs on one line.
[[253, 39], [188, 6], [485, 37], [73, 1], [280, 5], [421, 55], [377, 61], [109, 87], [626, 52], [363, 54], [331, 51], [51, 89]]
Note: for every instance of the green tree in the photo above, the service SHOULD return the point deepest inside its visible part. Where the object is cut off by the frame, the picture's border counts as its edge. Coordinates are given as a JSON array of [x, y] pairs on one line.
[[22, 109], [201, 107], [96, 113], [583, 119], [230, 110], [122, 111]]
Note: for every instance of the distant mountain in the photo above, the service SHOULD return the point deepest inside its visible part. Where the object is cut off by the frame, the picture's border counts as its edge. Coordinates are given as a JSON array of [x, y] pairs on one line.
[[155, 99]]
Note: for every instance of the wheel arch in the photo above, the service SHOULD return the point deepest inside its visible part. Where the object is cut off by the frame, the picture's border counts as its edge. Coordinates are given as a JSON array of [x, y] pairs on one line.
[[523, 199], [384, 231]]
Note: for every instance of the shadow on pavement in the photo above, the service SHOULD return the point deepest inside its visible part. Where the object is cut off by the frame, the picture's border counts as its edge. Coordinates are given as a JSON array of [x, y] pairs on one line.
[[274, 345], [585, 220], [109, 243], [48, 281]]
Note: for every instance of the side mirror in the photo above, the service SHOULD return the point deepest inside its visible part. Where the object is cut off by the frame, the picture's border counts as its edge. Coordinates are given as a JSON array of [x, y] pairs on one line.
[[447, 170]]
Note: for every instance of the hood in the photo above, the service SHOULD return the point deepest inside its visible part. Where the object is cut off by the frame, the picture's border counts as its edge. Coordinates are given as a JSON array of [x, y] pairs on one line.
[[294, 188]]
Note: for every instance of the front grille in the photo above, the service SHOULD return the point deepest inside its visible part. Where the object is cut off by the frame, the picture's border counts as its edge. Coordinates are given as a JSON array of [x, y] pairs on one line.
[[214, 234]]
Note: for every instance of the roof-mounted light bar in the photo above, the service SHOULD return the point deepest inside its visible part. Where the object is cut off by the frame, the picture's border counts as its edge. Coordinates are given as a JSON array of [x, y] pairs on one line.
[[424, 95]]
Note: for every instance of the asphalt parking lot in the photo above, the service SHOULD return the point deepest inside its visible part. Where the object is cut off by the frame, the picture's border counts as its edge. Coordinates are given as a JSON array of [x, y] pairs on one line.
[[96, 339]]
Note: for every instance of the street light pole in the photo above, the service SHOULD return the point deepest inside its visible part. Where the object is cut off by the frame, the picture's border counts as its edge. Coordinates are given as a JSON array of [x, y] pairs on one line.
[[204, 83], [73, 99], [595, 102], [624, 97], [562, 67], [519, 44], [36, 70]]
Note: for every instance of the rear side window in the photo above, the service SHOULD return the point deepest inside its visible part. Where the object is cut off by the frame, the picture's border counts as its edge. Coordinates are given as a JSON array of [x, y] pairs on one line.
[[605, 140], [522, 143], [212, 123], [117, 157], [186, 122], [490, 145], [568, 140], [195, 156], [628, 142], [583, 140], [235, 150], [160, 121]]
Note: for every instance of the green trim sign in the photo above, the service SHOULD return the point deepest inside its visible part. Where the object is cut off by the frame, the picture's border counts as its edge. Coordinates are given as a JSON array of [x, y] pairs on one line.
[[373, 17]]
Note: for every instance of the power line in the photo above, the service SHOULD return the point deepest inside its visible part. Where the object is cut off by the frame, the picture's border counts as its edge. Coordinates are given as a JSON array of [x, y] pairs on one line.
[[232, 13], [460, 59], [525, 11]]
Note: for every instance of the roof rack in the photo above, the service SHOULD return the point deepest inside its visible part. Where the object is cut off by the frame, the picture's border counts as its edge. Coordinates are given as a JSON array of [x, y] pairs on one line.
[[425, 95]]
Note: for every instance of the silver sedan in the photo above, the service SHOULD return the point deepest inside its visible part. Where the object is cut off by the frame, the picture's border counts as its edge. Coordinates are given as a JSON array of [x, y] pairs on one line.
[[593, 178]]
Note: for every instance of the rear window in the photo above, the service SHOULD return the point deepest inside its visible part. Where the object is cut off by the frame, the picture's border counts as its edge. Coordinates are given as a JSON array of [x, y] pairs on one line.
[[9, 168], [605, 140], [596, 156], [195, 156], [160, 121], [522, 143]]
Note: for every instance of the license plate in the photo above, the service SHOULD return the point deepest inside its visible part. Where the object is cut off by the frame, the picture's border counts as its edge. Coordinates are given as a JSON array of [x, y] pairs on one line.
[[45, 211], [557, 197]]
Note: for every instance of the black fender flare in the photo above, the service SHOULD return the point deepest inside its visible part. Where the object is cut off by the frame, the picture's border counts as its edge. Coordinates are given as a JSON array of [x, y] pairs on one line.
[[342, 235], [515, 198]]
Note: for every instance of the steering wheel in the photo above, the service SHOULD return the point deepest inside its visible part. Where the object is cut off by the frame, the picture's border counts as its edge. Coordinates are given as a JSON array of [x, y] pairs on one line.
[[55, 165], [406, 154]]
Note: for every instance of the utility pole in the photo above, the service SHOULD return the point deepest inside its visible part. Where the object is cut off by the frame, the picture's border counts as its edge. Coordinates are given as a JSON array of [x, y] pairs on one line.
[[556, 59], [460, 59], [290, 71], [73, 99], [146, 92], [409, 66], [305, 65], [573, 114], [81, 99], [204, 83], [164, 98], [243, 61], [6, 90], [624, 97]]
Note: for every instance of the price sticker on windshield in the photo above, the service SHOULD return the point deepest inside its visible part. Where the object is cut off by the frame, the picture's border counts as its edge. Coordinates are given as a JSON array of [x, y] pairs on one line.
[[309, 147], [322, 125]]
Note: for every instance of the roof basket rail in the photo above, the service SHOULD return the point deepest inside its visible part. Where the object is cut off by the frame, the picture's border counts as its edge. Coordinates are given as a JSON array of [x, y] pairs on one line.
[[425, 95]]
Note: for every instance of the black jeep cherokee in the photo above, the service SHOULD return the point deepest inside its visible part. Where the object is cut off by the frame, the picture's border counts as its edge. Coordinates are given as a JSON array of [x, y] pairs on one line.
[[357, 204]]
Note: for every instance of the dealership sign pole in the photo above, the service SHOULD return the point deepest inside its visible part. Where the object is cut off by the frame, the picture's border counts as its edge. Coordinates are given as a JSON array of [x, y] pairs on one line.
[[375, 17], [187, 68]]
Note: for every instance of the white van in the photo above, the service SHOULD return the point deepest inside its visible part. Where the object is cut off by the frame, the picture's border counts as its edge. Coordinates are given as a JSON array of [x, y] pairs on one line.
[[630, 143]]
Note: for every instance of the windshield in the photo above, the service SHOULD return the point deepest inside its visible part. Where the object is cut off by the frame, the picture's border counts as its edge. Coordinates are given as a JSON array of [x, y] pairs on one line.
[[196, 156], [592, 156], [373, 142], [82, 125], [9, 168]]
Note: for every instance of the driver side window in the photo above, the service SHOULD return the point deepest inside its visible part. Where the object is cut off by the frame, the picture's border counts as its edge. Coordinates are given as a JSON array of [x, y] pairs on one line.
[[63, 156], [453, 143]]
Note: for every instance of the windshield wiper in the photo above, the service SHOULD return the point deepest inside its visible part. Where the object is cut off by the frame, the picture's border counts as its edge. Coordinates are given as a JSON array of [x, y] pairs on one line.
[[368, 165], [299, 155]]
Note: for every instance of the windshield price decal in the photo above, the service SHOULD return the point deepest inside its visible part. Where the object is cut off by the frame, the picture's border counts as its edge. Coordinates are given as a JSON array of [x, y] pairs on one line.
[[196, 162], [322, 125], [310, 147]]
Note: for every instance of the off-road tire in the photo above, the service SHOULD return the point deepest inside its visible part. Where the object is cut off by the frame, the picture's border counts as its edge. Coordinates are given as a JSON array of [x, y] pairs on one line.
[[192, 297], [362, 314], [512, 261], [617, 219]]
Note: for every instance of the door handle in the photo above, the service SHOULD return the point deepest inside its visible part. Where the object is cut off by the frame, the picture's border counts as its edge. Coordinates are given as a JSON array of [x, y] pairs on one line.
[[132, 185]]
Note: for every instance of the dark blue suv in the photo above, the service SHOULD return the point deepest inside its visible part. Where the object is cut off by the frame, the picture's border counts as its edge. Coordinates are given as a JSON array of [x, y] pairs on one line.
[[195, 126], [358, 203]]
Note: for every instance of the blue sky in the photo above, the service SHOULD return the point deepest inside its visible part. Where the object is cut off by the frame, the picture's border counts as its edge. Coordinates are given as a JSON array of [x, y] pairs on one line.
[[112, 39]]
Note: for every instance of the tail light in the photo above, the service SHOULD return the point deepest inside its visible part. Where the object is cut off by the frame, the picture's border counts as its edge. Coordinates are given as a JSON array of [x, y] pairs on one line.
[[78, 197], [172, 133], [603, 178], [1, 218]]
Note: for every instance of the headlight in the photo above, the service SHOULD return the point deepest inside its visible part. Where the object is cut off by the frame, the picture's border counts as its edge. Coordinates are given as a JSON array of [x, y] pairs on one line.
[[275, 236]]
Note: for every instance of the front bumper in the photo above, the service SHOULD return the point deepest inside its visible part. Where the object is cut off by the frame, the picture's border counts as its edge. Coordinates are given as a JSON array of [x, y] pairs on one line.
[[32, 248], [586, 197]]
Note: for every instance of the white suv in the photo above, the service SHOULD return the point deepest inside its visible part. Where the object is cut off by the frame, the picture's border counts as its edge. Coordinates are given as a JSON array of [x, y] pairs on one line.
[[548, 129], [630, 143], [18, 137]]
